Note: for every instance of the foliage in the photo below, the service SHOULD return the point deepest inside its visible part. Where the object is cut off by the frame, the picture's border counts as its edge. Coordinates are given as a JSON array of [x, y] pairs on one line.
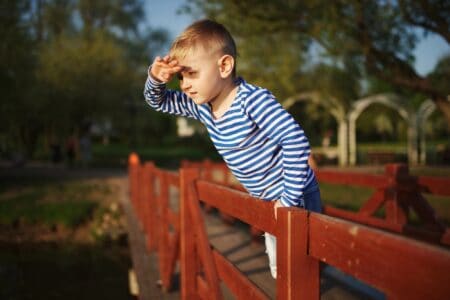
[[82, 79], [67, 64], [109, 224], [361, 37]]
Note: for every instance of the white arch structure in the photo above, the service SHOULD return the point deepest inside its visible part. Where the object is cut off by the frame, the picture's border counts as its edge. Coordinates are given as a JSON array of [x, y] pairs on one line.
[[336, 109], [392, 101], [416, 146]]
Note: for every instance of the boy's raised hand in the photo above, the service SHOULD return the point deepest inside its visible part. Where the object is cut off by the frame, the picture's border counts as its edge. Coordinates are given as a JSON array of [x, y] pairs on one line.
[[163, 69]]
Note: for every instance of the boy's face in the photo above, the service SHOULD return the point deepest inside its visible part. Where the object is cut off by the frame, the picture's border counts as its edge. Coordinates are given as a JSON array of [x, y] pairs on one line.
[[200, 77]]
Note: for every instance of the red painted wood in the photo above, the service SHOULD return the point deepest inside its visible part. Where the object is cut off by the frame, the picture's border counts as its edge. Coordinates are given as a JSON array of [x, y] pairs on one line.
[[202, 288], [297, 273], [373, 204], [366, 220], [150, 206], [403, 268], [237, 282], [172, 178], [434, 185], [188, 256], [240, 205], [163, 235], [446, 237], [352, 178], [203, 248], [387, 261]]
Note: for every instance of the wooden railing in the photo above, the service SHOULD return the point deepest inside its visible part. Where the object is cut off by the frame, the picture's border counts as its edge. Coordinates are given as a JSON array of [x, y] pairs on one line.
[[396, 191], [400, 267], [399, 193]]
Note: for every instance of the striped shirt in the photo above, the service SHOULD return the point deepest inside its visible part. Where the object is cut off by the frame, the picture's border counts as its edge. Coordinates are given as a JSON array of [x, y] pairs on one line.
[[262, 144]]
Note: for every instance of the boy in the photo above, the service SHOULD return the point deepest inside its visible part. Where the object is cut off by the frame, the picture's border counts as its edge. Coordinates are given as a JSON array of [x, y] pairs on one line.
[[260, 142]]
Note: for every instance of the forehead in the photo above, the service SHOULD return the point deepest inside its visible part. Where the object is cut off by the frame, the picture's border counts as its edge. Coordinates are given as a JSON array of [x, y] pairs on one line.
[[198, 57]]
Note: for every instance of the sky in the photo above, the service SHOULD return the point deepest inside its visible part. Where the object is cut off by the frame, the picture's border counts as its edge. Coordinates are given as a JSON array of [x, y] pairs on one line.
[[163, 14]]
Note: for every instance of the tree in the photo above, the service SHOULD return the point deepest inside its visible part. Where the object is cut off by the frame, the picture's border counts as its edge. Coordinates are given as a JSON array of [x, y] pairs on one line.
[[64, 61], [374, 36]]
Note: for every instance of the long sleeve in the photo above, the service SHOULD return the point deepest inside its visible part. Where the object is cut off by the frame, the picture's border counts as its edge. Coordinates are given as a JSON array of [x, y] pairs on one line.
[[278, 125], [169, 101]]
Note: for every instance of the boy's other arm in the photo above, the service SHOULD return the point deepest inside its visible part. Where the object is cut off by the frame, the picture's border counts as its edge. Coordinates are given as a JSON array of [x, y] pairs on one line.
[[278, 125]]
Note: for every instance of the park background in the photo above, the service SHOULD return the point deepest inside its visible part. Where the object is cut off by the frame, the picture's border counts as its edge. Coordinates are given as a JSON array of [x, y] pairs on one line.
[[72, 110]]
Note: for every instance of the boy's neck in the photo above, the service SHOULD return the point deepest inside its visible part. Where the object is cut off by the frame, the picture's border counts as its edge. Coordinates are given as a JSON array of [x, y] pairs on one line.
[[223, 101]]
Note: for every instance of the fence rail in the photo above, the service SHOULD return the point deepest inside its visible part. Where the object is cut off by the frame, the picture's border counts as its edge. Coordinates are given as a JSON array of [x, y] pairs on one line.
[[400, 267]]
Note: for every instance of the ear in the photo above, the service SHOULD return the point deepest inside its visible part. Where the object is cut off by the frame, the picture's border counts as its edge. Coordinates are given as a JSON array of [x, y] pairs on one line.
[[226, 65]]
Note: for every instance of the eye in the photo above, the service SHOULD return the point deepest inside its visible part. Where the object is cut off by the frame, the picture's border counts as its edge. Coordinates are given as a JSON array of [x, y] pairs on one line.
[[192, 73]]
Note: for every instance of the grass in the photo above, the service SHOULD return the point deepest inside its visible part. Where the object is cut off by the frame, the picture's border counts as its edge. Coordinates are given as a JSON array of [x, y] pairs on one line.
[[27, 209], [352, 198], [345, 197], [68, 204]]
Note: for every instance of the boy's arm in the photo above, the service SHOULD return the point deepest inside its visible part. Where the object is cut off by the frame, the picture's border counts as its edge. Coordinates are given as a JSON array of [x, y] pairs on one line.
[[277, 124], [161, 99], [168, 101]]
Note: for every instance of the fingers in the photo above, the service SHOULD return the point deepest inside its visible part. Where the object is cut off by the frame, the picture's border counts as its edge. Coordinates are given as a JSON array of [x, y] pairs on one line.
[[164, 68], [276, 205]]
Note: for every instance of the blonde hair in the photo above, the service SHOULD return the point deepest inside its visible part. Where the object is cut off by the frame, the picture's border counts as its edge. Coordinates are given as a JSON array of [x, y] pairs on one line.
[[210, 35]]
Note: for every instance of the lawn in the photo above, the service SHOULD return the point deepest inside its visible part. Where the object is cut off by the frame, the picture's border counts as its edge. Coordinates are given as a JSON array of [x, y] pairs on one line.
[[352, 198]]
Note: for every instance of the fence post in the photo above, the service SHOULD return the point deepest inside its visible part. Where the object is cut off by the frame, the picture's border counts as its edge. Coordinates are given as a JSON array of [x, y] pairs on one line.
[[163, 237], [298, 274], [396, 208], [150, 206], [133, 165], [188, 256]]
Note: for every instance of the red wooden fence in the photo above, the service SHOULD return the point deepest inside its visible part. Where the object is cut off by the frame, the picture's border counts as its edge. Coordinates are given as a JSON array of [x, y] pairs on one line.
[[400, 267], [395, 190]]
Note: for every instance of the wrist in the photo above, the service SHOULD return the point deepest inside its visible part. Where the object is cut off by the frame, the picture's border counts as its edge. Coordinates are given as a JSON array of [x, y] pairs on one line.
[[153, 77]]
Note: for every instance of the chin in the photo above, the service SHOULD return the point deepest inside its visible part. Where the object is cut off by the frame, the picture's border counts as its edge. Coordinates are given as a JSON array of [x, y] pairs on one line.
[[199, 101]]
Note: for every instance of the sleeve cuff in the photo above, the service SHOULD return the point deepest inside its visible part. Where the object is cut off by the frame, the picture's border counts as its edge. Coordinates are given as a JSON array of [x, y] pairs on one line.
[[153, 80], [289, 203]]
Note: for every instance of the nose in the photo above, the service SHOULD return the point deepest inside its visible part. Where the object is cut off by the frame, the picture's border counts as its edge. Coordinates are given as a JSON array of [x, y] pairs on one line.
[[185, 85]]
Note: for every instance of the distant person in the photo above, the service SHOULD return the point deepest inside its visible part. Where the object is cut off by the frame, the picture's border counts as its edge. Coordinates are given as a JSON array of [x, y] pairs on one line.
[[55, 151], [85, 150], [71, 149], [261, 143]]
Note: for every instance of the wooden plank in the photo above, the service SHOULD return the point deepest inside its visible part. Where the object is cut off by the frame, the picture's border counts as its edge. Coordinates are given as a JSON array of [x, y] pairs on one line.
[[434, 185], [203, 291], [203, 247], [298, 274], [352, 178], [174, 219], [172, 178], [163, 236], [401, 267], [373, 204], [238, 204], [151, 207], [237, 282], [362, 219], [188, 261]]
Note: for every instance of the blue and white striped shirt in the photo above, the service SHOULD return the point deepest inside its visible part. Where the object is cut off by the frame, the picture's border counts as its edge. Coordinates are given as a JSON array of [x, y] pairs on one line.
[[262, 144]]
